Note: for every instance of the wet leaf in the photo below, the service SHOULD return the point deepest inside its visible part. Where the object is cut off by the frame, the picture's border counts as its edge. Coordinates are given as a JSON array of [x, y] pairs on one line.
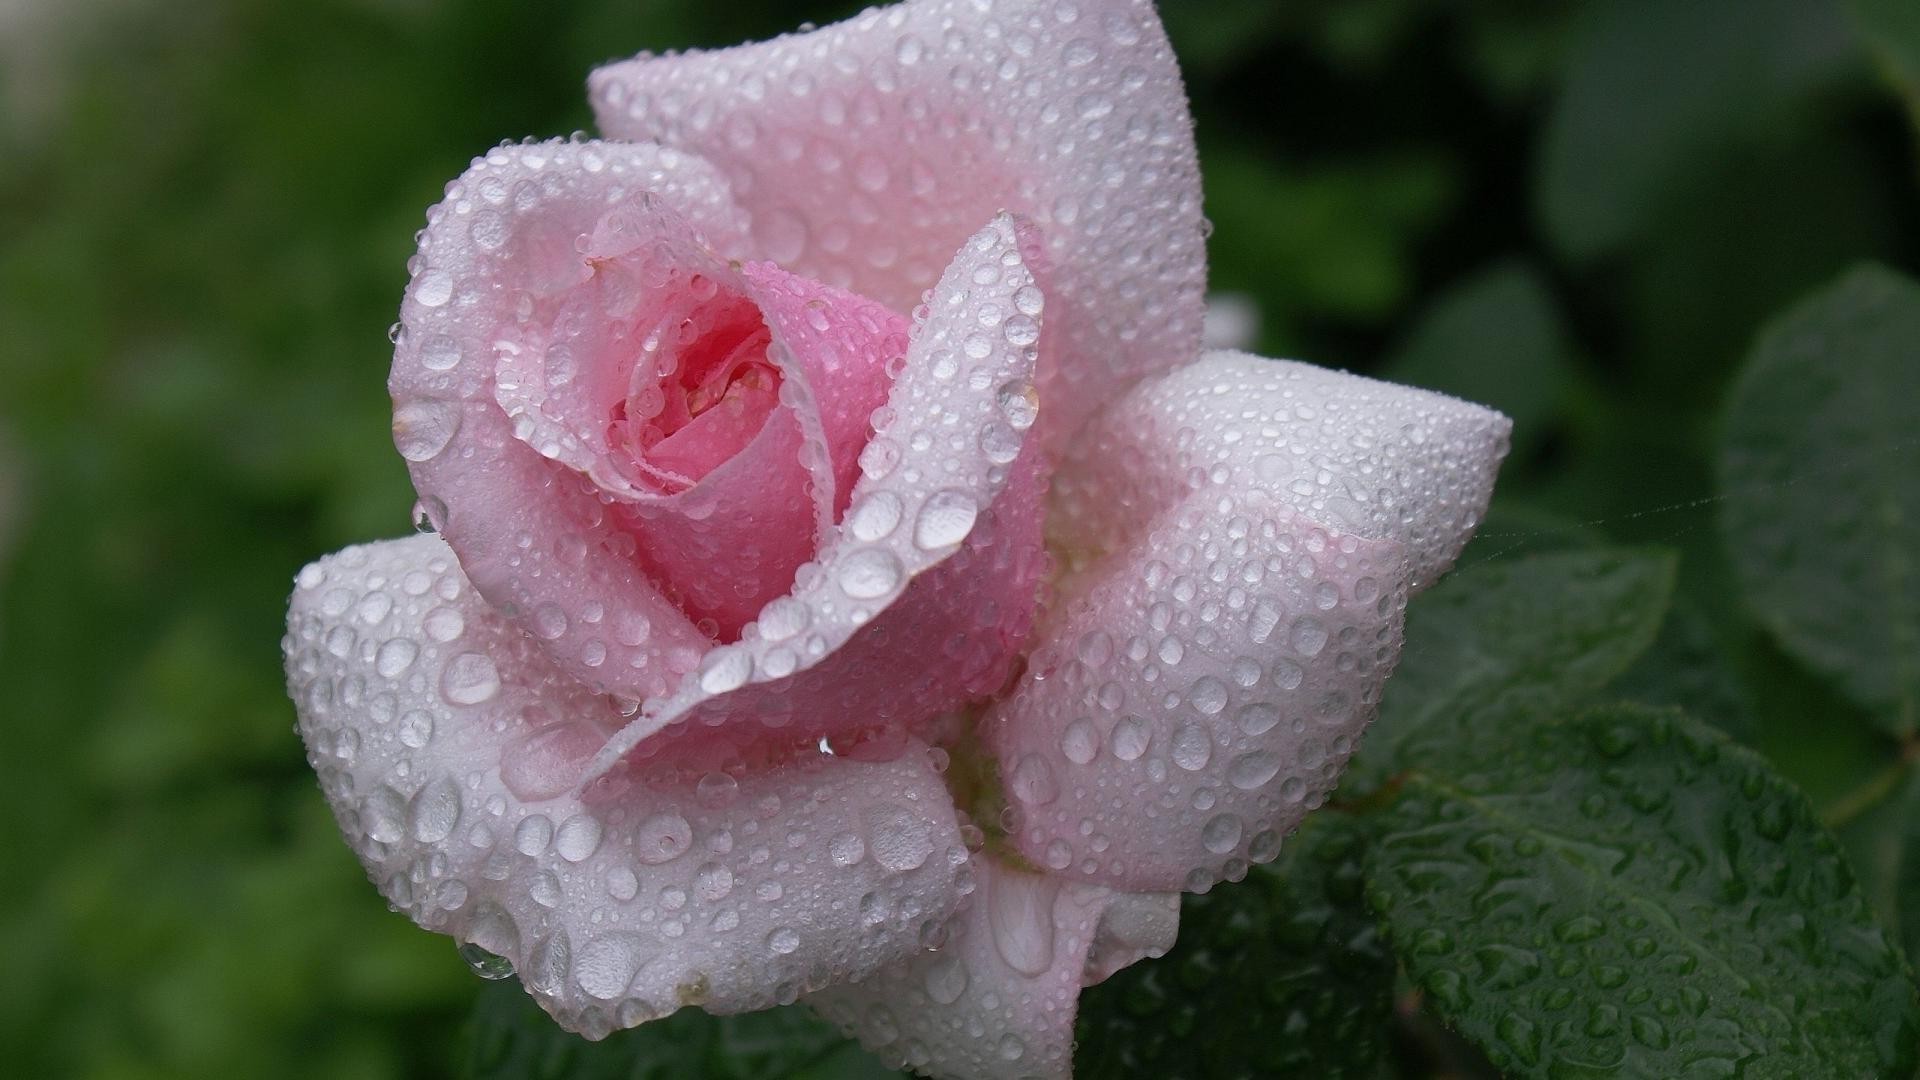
[[1535, 632], [1820, 466], [1627, 893], [509, 1038], [1283, 974]]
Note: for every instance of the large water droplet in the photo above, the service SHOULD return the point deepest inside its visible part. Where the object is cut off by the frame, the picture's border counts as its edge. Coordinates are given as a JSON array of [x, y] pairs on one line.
[[1192, 748], [1080, 742], [434, 811], [945, 519], [875, 516], [662, 838], [608, 963], [869, 573], [422, 429], [469, 679], [578, 837], [490, 966], [899, 839]]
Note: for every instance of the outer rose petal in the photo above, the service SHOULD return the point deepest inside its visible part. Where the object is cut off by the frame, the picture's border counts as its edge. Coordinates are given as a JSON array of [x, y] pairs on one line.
[[531, 535], [998, 999], [1243, 534], [1356, 455], [867, 151], [926, 593], [445, 741]]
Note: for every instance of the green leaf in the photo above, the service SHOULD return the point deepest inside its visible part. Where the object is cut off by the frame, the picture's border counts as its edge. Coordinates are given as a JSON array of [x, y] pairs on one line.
[[509, 1038], [1281, 975], [1892, 27], [1821, 473], [1629, 894], [1686, 667], [1656, 90], [1907, 876], [1498, 339], [1535, 633]]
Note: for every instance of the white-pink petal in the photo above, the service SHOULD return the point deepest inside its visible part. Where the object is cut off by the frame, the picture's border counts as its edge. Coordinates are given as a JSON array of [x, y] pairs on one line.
[[448, 745], [867, 151], [1240, 539], [997, 999]]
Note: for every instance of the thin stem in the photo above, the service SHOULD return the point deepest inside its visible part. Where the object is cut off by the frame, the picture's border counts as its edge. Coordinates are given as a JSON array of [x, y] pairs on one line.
[[1875, 789]]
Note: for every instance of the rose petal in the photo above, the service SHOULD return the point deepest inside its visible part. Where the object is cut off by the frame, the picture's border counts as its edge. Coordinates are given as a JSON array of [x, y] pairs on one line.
[[998, 998], [446, 741], [1218, 651], [1356, 455], [926, 593], [868, 150]]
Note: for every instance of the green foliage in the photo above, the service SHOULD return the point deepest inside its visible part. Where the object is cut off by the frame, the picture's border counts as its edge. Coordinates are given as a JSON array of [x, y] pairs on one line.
[[1281, 975], [1628, 894], [1822, 472], [509, 1038], [1655, 90], [1534, 633]]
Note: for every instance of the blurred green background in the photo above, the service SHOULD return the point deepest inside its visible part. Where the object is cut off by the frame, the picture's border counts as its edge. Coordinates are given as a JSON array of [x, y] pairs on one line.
[[1579, 212]]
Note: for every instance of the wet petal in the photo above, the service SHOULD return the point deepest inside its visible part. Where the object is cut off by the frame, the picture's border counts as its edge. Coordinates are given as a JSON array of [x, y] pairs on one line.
[[867, 151], [1219, 647], [926, 592], [999, 996], [1356, 455], [447, 744]]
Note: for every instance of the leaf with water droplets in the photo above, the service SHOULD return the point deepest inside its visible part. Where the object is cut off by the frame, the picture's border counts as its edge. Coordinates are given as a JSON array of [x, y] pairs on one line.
[[1821, 473], [509, 1038], [1295, 938], [1627, 893], [1536, 632]]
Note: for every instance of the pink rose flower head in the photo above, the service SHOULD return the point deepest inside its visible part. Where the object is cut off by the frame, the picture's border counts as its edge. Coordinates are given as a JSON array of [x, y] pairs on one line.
[[824, 459]]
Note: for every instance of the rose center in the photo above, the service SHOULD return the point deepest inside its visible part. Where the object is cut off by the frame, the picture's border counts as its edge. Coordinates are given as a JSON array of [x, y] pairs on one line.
[[698, 391]]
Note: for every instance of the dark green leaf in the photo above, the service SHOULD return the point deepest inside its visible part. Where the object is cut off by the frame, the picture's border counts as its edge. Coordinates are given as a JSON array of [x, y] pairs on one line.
[[1906, 900], [1821, 471], [509, 1038], [1497, 339], [1629, 894], [1535, 632], [1687, 668], [1656, 90], [1281, 975]]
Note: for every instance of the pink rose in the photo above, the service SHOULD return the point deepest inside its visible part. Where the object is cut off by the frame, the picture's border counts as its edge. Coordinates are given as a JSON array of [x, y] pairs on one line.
[[852, 583]]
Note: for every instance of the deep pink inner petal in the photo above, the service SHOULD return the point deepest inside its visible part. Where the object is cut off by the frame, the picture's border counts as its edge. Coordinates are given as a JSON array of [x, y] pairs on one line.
[[697, 396]]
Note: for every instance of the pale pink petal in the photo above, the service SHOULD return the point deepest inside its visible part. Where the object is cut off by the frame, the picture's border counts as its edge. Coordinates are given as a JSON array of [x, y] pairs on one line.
[[924, 596], [1240, 537], [498, 253], [447, 744], [998, 998], [1356, 455], [867, 151]]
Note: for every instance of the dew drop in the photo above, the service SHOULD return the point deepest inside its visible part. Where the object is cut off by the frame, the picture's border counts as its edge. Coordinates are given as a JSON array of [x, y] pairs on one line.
[[469, 679], [945, 519], [662, 838]]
